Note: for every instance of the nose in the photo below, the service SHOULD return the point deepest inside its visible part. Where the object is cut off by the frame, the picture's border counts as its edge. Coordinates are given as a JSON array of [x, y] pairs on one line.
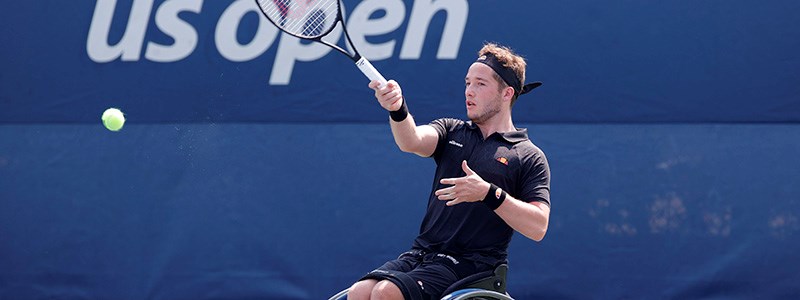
[[468, 92]]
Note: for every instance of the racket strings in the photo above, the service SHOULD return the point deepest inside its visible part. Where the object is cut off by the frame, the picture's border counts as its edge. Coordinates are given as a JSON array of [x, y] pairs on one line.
[[317, 21], [311, 23]]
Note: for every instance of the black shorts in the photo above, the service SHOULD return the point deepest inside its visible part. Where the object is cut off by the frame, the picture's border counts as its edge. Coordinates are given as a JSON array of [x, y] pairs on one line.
[[434, 272]]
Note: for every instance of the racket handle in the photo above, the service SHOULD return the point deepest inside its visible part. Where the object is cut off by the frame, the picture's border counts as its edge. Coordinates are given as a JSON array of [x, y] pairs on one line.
[[366, 67]]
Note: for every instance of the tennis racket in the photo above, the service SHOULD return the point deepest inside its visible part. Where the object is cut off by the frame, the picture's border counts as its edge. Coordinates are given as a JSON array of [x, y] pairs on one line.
[[312, 20]]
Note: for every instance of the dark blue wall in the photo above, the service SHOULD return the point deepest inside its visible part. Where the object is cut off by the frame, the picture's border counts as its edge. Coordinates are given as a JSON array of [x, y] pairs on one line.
[[298, 211], [670, 127]]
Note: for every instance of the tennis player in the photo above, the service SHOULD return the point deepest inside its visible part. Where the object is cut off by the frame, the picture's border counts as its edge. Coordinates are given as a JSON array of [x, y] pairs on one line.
[[490, 180]]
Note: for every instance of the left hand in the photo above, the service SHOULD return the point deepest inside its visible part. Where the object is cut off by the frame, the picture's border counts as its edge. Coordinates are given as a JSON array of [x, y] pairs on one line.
[[470, 188]]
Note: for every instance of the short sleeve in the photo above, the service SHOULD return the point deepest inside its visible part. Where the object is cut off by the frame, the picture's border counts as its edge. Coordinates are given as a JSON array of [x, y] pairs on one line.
[[443, 126], [535, 179]]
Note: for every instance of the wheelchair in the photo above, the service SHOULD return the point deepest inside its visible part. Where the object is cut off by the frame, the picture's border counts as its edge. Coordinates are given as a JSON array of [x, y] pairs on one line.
[[489, 285]]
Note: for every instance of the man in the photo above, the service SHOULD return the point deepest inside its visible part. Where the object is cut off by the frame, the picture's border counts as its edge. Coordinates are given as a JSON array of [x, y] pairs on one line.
[[490, 180]]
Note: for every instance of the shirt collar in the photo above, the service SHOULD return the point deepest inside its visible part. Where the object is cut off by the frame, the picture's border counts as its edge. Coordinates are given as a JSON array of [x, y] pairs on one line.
[[519, 135]]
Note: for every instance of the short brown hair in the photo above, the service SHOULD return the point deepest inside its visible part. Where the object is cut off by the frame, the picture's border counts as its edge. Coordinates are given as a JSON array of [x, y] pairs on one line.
[[509, 59]]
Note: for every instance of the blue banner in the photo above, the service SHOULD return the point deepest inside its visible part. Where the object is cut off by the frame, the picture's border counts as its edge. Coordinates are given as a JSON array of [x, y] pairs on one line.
[[254, 165], [221, 61]]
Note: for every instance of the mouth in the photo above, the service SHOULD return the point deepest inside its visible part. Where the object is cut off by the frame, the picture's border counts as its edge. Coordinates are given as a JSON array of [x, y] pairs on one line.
[[470, 104]]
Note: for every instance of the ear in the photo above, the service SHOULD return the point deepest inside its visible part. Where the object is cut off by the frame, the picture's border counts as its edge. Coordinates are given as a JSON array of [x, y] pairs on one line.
[[508, 93]]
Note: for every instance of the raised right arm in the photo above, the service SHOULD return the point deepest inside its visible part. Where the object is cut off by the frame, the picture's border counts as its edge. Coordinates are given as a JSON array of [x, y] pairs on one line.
[[420, 140]]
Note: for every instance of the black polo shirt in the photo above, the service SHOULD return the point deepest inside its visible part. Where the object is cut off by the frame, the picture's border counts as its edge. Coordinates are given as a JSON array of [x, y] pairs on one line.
[[509, 160]]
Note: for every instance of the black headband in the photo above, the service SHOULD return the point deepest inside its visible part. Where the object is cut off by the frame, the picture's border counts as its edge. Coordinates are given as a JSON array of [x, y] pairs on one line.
[[507, 74]]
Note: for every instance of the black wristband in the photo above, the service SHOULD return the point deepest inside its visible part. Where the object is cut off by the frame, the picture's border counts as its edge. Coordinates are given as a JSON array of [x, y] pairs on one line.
[[400, 114], [494, 197]]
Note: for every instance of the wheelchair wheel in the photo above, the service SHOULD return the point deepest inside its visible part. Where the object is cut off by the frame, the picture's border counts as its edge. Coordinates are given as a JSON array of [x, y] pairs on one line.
[[339, 296], [465, 294], [476, 294]]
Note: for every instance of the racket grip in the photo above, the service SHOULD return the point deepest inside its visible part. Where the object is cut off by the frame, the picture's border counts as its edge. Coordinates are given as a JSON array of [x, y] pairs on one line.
[[366, 67]]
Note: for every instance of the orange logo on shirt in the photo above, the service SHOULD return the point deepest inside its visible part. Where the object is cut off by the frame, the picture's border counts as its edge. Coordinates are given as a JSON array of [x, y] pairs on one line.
[[503, 160]]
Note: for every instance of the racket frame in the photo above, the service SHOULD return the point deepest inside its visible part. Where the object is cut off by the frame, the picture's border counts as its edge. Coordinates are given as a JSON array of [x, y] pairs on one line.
[[361, 62], [318, 38]]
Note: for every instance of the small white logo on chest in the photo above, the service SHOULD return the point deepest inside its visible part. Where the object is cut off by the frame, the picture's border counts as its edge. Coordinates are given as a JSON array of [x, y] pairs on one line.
[[454, 143]]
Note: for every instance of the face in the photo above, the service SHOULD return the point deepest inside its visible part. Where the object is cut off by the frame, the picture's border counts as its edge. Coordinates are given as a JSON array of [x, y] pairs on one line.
[[483, 94]]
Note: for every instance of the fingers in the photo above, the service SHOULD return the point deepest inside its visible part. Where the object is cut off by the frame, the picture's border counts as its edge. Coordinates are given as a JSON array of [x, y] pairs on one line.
[[450, 195], [453, 199], [449, 181], [466, 168], [446, 193], [454, 202], [469, 188], [390, 96], [390, 85], [374, 85], [462, 189]]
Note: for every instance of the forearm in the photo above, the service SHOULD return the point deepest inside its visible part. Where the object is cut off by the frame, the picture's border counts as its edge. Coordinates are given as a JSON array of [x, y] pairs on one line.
[[529, 219], [420, 140], [410, 138], [405, 134]]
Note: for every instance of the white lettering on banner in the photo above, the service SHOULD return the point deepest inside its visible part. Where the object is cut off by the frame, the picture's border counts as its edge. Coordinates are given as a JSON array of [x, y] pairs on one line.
[[360, 26], [421, 15], [185, 35], [225, 35], [289, 49], [130, 46]]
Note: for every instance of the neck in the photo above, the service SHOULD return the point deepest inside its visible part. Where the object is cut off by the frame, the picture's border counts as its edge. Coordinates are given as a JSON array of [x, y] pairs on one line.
[[500, 122]]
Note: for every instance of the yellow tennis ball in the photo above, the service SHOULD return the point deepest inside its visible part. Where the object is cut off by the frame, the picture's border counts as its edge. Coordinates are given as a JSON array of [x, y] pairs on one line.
[[113, 119]]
